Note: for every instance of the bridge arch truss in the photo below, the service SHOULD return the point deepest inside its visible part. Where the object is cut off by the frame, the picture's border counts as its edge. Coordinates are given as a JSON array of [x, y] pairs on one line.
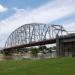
[[33, 32]]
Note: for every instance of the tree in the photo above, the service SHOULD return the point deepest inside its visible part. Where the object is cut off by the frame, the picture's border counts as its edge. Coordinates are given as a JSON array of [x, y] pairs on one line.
[[34, 51], [41, 48], [54, 47]]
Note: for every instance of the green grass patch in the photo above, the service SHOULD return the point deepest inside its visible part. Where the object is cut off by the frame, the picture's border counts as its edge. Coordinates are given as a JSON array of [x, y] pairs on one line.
[[57, 66]]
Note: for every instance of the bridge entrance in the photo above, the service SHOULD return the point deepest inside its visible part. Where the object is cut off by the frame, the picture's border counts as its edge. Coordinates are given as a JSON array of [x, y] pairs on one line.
[[66, 45]]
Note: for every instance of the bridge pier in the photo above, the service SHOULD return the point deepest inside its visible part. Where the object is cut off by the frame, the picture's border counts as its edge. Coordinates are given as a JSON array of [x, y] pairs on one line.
[[8, 54], [59, 47], [73, 49]]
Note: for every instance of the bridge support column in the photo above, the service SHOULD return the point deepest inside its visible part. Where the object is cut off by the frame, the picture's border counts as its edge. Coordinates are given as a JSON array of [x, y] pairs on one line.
[[73, 53], [73, 49], [59, 46]]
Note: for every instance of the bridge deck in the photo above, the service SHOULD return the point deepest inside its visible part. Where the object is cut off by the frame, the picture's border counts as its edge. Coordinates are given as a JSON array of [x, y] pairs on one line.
[[49, 41]]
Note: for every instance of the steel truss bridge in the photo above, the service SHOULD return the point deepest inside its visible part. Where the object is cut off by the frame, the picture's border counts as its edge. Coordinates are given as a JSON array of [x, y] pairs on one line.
[[34, 34]]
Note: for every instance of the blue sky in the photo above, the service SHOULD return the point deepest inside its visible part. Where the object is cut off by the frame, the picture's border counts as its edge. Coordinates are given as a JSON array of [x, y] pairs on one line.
[[14, 13], [21, 4]]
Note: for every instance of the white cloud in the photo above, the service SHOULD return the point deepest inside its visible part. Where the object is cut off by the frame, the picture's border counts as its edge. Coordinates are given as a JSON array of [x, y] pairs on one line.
[[2, 8], [49, 12], [70, 27]]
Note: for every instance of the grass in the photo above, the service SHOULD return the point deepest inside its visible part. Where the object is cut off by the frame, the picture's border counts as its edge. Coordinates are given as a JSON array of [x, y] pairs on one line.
[[58, 66]]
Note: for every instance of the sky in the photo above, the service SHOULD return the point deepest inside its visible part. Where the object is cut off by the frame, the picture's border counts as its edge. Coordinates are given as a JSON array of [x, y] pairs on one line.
[[15, 13]]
